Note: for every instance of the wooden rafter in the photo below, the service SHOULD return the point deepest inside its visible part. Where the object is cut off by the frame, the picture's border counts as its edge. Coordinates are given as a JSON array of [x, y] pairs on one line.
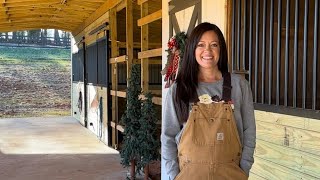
[[99, 12], [60, 14], [22, 17], [5, 12]]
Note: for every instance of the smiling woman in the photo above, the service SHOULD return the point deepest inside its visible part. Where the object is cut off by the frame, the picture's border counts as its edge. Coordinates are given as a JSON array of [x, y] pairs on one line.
[[211, 111], [207, 55]]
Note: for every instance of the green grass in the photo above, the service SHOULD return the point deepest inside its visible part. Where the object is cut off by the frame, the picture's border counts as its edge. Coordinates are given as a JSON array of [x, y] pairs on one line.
[[32, 53], [39, 114], [38, 79]]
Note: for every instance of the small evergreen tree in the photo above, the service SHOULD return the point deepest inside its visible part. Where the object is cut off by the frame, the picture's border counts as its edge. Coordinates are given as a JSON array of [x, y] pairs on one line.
[[131, 145], [56, 37], [149, 143]]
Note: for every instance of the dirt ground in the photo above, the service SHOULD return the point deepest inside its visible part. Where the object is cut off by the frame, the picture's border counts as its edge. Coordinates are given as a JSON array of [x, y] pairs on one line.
[[30, 88]]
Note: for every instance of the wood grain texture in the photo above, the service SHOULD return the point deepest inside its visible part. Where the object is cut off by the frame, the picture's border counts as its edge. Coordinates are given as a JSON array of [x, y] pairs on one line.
[[296, 160], [270, 170], [288, 120], [144, 46], [150, 53], [300, 139], [287, 146], [65, 15], [150, 18]]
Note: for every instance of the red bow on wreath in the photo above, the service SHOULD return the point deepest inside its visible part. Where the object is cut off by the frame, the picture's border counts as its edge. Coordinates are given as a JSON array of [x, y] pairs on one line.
[[175, 51]]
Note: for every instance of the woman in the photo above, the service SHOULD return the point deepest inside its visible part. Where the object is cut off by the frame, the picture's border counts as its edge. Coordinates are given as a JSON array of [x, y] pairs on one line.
[[208, 129]]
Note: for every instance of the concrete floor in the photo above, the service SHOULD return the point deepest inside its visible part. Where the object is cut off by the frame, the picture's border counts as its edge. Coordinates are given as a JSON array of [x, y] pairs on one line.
[[54, 149]]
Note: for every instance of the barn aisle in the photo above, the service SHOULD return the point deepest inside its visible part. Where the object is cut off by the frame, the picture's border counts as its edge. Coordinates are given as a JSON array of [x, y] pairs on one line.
[[54, 148]]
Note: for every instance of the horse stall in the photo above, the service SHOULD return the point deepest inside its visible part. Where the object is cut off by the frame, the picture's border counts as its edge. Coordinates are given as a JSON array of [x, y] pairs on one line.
[[275, 46], [102, 55]]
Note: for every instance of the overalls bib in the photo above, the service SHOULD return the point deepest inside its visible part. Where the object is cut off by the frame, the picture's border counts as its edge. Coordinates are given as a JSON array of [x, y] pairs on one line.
[[210, 146]]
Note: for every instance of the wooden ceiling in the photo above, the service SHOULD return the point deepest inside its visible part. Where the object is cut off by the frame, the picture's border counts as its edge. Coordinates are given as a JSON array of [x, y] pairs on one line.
[[47, 14]]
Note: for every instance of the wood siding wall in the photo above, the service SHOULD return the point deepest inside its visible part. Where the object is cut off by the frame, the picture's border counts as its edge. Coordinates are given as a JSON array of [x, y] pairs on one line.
[[288, 147]]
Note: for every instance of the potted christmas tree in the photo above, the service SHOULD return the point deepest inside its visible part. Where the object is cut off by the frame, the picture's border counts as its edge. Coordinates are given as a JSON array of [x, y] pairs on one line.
[[149, 143], [129, 152]]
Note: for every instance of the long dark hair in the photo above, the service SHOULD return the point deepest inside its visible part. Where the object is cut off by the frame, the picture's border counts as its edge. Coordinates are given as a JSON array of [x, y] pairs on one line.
[[187, 79]]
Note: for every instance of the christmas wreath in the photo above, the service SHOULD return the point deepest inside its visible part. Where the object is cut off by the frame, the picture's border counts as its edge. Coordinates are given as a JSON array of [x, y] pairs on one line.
[[175, 51]]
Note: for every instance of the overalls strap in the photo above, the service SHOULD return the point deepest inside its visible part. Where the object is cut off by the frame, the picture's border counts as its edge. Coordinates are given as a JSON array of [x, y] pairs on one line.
[[226, 88]]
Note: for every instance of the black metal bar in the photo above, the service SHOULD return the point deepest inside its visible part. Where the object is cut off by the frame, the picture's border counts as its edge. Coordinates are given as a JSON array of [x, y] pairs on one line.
[[109, 98], [256, 54], [239, 36], [295, 55], [315, 54], [250, 40], [270, 52], [263, 49], [85, 82], [244, 25], [286, 56], [305, 41], [233, 34], [278, 52], [100, 123], [97, 65]]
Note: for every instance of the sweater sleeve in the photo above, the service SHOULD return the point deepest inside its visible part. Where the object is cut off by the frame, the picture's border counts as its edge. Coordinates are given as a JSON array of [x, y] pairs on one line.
[[170, 128], [249, 127]]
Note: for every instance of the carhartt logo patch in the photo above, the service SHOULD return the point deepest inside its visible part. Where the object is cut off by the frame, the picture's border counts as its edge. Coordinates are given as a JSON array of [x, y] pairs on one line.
[[220, 136]]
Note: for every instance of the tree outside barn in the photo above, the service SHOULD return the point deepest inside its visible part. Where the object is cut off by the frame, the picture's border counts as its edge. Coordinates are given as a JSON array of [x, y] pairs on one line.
[[39, 37]]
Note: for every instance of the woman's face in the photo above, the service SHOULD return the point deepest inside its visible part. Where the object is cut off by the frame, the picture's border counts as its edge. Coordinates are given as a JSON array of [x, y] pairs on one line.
[[207, 52]]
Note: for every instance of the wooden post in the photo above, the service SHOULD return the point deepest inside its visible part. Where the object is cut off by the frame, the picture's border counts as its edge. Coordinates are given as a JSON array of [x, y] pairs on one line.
[[146, 172], [129, 47], [133, 170], [144, 47], [228, 31], [129, 37], [114, 83]]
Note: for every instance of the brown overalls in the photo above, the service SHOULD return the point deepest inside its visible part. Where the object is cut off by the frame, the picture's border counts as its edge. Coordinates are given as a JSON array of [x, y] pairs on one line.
[[210, 146]]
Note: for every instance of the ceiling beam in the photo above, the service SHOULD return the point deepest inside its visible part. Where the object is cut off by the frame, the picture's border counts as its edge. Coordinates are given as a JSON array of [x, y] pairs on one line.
[[63, 1], [58, 14], [37, 19], [54, 4], [6, 14], [94, 16], [46, 12], [23, 28], [68, 9], [43, 25]]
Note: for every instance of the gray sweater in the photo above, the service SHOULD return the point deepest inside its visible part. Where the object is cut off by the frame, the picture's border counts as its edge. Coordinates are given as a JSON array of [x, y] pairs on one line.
[[244, 115]]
